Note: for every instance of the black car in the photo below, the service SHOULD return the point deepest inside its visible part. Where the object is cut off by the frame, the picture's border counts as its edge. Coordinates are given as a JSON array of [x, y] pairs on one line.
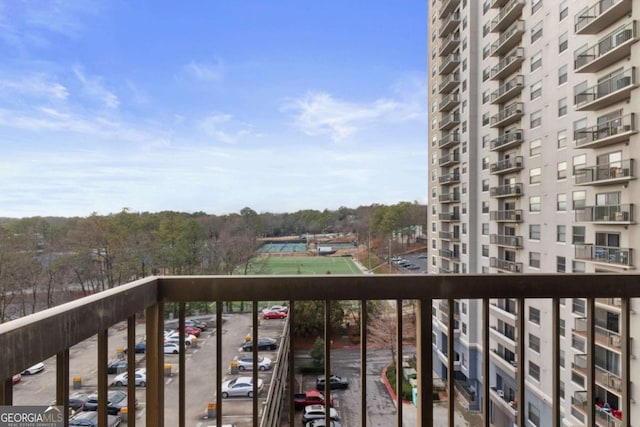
[[263, 344], [90, 419], [335, 382], [116, 400], [141, 347], [77, 401], [112, 368]]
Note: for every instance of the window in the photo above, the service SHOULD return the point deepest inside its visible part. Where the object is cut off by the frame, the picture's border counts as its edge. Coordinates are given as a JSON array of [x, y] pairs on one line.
[[535, 204], [534, 315], [579, 267], [464, 248], [486, 29], [485, 119], [578, 343], [534, 259], [535, 119], [562, 327], [536, 89], [562, 170], [561, 233], [485, 229], [579, 162], [562, 107], [485, 141], [536, 61], [485, 185], [534, 343], [535, 6], [534, 231], [486, 51], [563, 42], [578, 234], [564, 9], [485, 96], [534, 371], [561, 202], [485, 207], [561, 264], [535, 176], [536, 32], [579, 199], [562, 75], [562, 138], [485, 163], [533, 413], [578, 306], [535, 147], [485, 250]]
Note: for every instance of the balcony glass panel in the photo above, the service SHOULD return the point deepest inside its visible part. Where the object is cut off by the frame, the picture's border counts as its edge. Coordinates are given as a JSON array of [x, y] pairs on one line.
[[607, 92], [606, 133], [610, 49], [601, 14]]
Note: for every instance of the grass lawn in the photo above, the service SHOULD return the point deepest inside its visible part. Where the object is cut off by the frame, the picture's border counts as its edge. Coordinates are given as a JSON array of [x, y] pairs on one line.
[[304, 265]]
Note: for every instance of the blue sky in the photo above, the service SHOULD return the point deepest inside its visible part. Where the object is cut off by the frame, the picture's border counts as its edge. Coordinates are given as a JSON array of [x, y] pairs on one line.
[[278, 105]]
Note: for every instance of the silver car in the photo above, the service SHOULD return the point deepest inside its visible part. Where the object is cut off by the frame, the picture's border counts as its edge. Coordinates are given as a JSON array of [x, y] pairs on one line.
[[246, 363], [241, 386]]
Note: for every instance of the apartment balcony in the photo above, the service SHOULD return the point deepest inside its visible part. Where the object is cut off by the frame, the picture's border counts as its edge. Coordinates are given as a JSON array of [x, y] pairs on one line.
[[450, 139], [509, 114], [509, 406], [507, 140], [610, 214], [605, 174], [449, 63], [449, 44], [505, 240], [611, 304], [448, 83], [509, 190], [449, 198], [449, 254], [613, 131], [496, 4], [505, 305], [449, 102], [511, 164], [505, 265], [509, 39], [508, 65], [449, 216], [603, 337], [449, 235], [514, 215], [450, 24], [615, 256], [609, 50], [54, 332], [450, 178], [614, 89], [449, 121], [601, 15], [508, 91], [504, 337], [447, 7], [449, 159], [509, 13]]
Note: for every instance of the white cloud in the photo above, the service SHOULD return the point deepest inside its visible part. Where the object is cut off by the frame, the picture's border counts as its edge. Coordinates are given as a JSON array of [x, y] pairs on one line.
[[205, 71], [35, 85], [225, 128], [94, 88]]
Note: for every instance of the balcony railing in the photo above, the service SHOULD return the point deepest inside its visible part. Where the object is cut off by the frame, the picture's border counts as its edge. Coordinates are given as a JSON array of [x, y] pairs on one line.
[[449, 63], [609, 214], [449, 83], [508, 190], [604, 254], [508, 115], [508, 39], [508, 65], [512, 215], [449, 216], [447, 7], [505, 240], [450, 178], [447, 253], [610, 49], [449, 197], [606, 133], [604, 337], [449, 24], [605, 174], [449, 235], [507, 15], [449, 159], [449, 140], [449, 102], [600, 15], [506, 265], [507, 165], [51, 333], [609, 91], [450, 44], [507, 140], [508, 90], [449, 121]]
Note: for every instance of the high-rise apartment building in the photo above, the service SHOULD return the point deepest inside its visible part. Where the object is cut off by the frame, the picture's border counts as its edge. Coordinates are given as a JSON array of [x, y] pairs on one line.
[[533, 140]]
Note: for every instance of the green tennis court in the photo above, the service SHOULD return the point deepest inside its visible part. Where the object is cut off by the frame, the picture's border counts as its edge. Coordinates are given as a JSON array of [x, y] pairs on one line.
[[303, 265]]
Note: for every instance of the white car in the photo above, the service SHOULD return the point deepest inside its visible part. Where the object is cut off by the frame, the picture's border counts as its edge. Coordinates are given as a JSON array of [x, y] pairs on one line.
[[141, 378], [171, 348], [38, 367], [246, 363], [175, 336], [241, 386], [314, 412]]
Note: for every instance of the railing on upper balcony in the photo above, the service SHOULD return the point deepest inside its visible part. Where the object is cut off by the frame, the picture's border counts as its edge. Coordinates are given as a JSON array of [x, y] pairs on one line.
[[53, 332]]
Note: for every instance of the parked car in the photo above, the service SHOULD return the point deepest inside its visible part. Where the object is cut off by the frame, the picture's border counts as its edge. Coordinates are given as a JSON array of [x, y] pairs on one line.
[[240, 386], [196, 324], [90, 419], [274, 314], [263, 344], [171, 348], [321, 423], [246, 363], [16, 379], [116, 367], [310, 397], [188, 339], [38, 367], [140, 378], [335, 382], [191, 330], [314, 412], [140, 347], [77, 401], [116, 400]]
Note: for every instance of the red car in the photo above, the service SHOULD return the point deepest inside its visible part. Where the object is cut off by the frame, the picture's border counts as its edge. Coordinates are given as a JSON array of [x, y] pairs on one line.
[[190, 330], [274, 314]]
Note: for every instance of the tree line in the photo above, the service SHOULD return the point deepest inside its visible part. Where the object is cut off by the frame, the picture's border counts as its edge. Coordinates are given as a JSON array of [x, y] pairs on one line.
[[45, 261]]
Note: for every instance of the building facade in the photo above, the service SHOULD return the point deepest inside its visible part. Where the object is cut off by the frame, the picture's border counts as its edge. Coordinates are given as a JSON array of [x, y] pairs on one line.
[[532, 149]]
